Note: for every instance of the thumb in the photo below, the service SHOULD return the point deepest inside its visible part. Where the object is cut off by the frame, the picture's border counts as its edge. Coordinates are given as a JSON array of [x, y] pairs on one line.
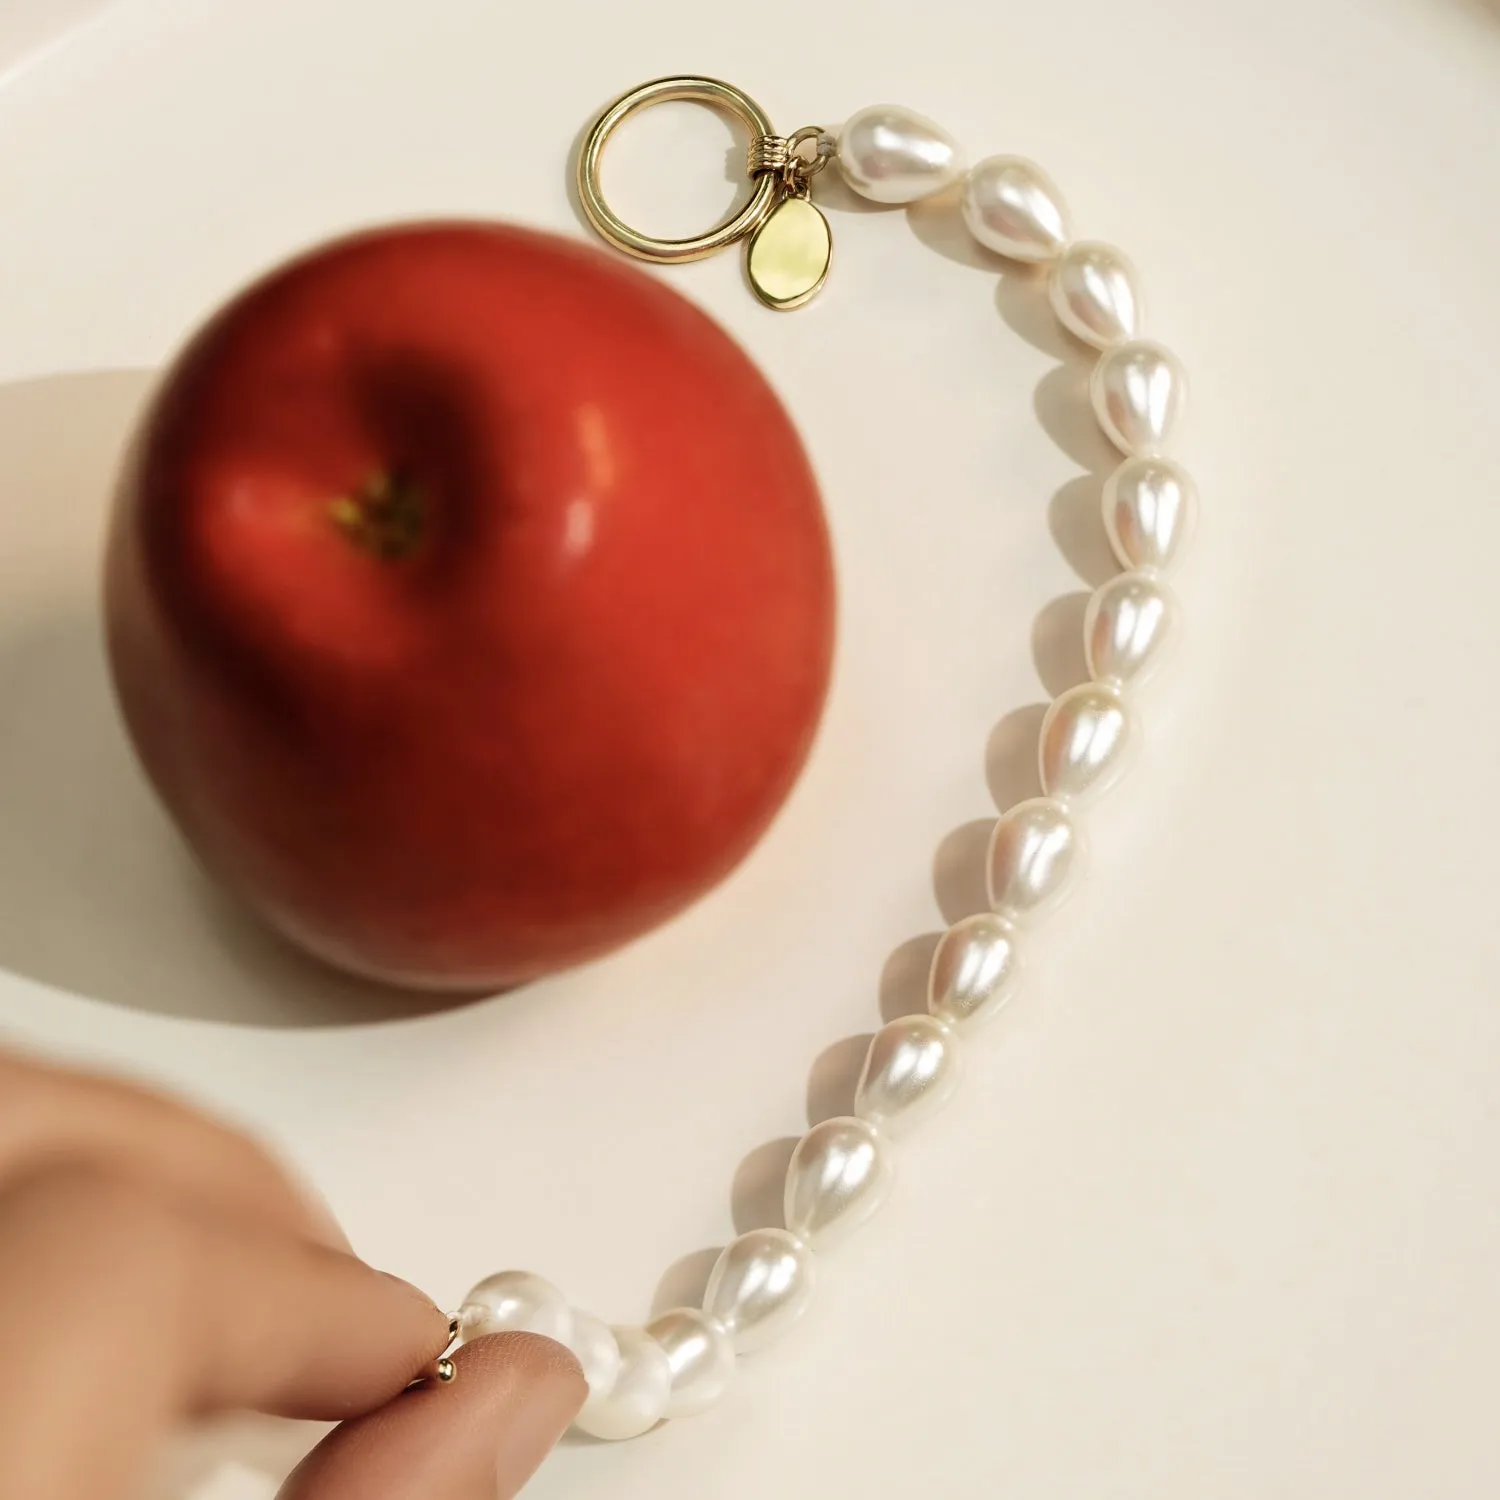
[[480, 1438]]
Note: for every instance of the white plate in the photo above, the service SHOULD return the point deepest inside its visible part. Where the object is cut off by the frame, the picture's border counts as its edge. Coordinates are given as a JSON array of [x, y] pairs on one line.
[[1216, 1214]]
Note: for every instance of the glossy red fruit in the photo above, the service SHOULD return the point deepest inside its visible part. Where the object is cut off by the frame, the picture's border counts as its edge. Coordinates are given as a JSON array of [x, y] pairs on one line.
[[470, 602]]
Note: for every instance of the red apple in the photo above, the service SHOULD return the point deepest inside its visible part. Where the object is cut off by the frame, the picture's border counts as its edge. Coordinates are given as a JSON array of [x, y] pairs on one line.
[[469, 601]]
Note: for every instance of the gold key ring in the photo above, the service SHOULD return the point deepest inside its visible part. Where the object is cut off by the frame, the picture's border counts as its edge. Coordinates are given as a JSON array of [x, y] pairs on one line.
[[611, 227]]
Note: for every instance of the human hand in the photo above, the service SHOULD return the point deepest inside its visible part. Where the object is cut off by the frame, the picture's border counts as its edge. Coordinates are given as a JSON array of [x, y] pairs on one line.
[[156, 1266]]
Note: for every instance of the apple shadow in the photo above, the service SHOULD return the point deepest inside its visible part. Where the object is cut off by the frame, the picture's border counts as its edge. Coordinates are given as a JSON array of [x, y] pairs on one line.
[[98, 895]]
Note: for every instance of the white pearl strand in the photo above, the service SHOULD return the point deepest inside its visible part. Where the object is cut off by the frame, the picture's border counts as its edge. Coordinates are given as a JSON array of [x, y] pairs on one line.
[[842, 1170]]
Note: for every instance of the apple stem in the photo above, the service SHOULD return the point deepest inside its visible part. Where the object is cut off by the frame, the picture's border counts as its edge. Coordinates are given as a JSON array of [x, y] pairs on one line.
[[385, 516]]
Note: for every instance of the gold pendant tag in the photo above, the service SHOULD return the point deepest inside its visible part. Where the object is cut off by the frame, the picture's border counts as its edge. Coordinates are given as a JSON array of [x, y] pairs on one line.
[[790, 253]]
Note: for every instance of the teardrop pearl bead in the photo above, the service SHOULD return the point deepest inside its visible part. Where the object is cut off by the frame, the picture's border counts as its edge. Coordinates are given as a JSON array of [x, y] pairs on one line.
[[1087, 735], [894, 155], [700, 1356], [594, 1346], [911, 1071], [1012, 206], [975, 970], [839, 1176], [1096, 294], [1128, 621], [1036, 855], [1138, 391], [516, 1302], [638, 1399], [1150, 505], [760, 1287]]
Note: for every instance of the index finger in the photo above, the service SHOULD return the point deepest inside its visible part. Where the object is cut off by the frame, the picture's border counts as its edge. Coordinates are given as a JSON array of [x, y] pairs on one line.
[[121, 1310]]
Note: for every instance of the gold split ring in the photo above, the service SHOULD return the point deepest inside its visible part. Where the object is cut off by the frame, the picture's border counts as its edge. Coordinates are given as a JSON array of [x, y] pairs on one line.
[[738, 226]]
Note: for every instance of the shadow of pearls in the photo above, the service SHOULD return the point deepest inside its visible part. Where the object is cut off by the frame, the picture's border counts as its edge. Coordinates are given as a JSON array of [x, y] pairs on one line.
[[843, 1170]]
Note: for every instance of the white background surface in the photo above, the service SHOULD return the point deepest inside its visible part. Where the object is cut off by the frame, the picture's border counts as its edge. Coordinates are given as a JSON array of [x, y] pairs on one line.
[[1218, 1213]]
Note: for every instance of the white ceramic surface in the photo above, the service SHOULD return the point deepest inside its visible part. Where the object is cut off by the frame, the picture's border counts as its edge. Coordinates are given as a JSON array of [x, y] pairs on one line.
[[1215, 1212]]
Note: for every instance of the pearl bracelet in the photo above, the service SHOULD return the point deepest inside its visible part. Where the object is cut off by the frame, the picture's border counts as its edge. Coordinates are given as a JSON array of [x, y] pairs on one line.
[[841, 1171]]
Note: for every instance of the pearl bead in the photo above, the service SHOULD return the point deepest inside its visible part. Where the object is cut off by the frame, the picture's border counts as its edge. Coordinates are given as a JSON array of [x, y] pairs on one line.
[[516, 1302], [596, 1349], [760, 1286], [1096, 294], [1036, 854], [975, 970], [1150, 505], [700, 1356], [1086, 738], [637, 1400], [840, 1174], [1138, 390], [895, 155], [911, 1070], [1012, 206], [1128, 621]]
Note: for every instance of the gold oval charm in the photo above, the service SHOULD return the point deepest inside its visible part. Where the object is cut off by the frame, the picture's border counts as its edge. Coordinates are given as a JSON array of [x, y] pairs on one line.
[[789, 257]]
